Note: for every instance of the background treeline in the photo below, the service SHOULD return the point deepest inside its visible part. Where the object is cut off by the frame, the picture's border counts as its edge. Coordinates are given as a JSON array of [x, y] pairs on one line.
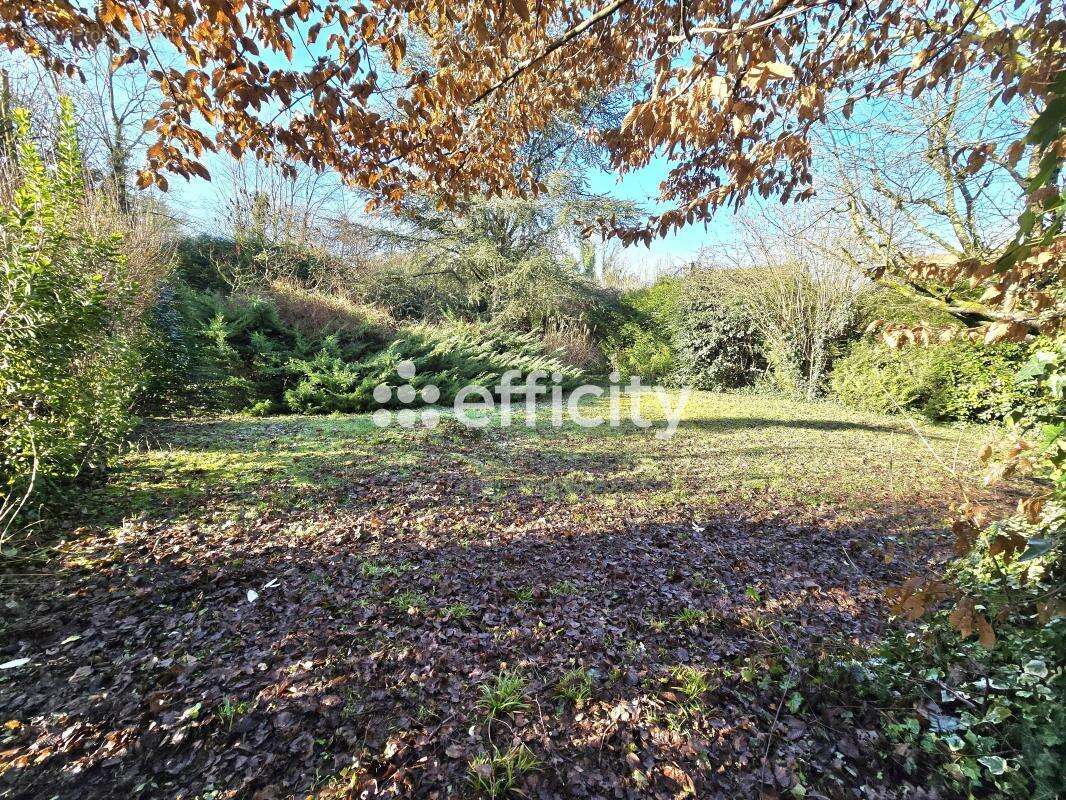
[[113, 310], [696, 330]]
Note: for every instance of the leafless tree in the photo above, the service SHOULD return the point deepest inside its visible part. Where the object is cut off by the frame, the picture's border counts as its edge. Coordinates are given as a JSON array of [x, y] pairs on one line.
[[112, 105], [791, 271], [23, 85], [900, 178], [294, 209]]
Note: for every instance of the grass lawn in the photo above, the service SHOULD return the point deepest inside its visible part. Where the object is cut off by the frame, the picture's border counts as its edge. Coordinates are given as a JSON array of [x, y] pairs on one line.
[[267, 608]]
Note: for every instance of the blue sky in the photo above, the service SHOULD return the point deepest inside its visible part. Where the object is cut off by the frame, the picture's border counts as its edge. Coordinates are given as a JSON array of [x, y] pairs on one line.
[[198, 202], [642, 187]]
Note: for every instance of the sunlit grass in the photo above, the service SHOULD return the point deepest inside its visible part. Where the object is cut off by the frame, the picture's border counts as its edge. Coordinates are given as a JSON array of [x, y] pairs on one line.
[[504, 694], [757, 450], [497, 774]]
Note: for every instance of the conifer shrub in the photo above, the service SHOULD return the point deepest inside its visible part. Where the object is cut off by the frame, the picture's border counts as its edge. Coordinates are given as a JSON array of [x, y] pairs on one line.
[[289, 349], [448, 358]]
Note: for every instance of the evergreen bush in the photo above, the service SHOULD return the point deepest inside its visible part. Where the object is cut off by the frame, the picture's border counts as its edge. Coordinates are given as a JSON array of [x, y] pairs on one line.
[[718, 344], [958, 380], [322, 356], [69, 340]]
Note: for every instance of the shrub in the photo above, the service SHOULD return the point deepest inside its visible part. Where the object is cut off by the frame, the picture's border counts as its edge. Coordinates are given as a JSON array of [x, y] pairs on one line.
[[971, 700], [248, 259], [166, 356], [966, 720], [575, 344], [206, 262], [314, 313], [887, 301], [409, 293], [68, 335], [289, 349], [957, 380], [447, 357], [718, 343], [238, 351], [801, 307], [641, 333]]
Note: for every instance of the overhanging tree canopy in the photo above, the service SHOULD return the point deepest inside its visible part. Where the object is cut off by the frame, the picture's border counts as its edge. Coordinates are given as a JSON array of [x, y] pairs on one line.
[[439, 97]]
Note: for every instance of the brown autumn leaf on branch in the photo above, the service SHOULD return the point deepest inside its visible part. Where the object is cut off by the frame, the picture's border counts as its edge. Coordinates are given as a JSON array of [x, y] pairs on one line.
[[967, 620], [916, 596], [733, 89]]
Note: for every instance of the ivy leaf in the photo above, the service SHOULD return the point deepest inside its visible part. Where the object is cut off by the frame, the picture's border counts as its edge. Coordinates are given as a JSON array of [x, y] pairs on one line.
[[954, 742], [997, 714], [994, 764], [1036, 667], [192, 712], [943, 723], [1036, 548]]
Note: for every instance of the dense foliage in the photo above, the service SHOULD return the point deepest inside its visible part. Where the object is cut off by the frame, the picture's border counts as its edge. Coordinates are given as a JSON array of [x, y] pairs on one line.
[[979, 720], [447, 359], [641, 339], [287, 349], [976, 691], [958, 380], [697, 330], [718, 344], [69, 336], [519, 262]]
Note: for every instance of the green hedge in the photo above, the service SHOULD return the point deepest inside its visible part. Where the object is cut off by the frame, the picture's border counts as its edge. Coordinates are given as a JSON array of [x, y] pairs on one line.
[[958, 380], [686, 331]]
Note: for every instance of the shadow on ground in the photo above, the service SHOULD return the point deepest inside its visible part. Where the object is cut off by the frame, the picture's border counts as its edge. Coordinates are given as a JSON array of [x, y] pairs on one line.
[[336, 649], [276, 609]]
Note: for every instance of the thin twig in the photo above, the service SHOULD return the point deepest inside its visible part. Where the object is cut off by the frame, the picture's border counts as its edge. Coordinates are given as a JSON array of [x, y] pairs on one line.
[[563, 40], [12, 511], [748, 28], [777, 716]]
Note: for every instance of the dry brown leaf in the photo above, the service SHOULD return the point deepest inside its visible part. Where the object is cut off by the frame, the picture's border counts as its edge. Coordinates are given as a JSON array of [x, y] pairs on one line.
[[687, 787], [778, 70]]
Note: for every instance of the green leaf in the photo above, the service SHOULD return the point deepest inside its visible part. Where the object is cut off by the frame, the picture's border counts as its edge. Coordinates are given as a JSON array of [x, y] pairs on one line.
[[994, 764], [997, 714], [943, 723], [1037, 667], [1036, 548]]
